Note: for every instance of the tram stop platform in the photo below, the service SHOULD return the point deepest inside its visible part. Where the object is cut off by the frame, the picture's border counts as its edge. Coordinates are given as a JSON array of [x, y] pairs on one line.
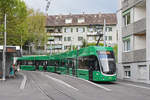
[[10, 85]]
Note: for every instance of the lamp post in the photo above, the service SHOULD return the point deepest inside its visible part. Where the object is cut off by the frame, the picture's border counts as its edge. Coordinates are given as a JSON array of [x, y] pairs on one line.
[[4, 50], [104, 32]]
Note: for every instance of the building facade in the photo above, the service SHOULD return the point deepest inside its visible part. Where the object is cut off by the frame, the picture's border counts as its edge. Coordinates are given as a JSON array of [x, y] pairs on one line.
[[133, 40], [68, 31]]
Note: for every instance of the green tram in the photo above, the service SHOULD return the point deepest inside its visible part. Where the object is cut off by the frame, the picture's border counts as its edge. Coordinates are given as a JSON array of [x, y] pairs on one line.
[[92, 63]]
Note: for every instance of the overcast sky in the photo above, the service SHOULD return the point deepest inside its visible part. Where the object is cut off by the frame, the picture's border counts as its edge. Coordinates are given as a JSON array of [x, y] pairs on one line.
[[74, 6]]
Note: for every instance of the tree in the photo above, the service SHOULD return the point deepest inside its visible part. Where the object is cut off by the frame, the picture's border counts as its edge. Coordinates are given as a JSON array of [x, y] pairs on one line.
[[36, 29], [116, 51], [84, 43], [16, 12], [94, 44]]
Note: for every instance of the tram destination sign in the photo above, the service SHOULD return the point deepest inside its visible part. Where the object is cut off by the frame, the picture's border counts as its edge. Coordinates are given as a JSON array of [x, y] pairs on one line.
[[11, 49]]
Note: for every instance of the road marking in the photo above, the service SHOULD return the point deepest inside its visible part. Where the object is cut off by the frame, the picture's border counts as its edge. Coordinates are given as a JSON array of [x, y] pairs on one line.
[[62, 82], [23, 83], [143, 87], [97, 85]]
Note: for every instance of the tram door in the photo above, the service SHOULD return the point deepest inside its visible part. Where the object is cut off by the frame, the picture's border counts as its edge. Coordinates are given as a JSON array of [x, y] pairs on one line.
[[67, 66], [90, 72], [92, 62], [73, 67], [37, 65]]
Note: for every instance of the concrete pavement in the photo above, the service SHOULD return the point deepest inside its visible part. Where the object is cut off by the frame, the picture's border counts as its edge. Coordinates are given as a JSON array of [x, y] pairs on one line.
[[51, 86]]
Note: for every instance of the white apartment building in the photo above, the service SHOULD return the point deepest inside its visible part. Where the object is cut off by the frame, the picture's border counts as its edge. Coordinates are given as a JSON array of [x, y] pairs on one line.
[[68, 31], [134, 40]]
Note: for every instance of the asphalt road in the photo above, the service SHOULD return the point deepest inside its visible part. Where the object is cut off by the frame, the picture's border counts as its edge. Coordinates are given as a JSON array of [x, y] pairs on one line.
[[51, 86]]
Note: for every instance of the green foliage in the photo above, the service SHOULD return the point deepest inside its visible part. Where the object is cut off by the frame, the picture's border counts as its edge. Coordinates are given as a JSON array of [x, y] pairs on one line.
[[84, 43], [36, 28], [16, 12], [24, 26], [116, 51], [94, 44]]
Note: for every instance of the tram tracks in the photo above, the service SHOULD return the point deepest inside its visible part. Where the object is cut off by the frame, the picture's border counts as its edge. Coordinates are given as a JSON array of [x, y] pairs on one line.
[[48, 95]]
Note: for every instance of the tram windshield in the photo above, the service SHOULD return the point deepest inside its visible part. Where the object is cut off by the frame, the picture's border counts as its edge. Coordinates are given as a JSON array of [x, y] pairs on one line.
[[107, 61]]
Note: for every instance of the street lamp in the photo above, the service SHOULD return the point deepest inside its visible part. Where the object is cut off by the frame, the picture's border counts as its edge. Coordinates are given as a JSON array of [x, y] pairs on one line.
[[4, 50]]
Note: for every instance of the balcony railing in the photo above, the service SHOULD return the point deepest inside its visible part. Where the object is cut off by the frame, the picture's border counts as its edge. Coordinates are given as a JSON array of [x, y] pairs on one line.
[[94, 33], [129, 3], [134, 56], [137, 27], [56, 34]]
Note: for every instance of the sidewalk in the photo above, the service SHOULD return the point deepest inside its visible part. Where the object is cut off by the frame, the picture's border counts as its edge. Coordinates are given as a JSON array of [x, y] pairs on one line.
[[137, 83], [10, 87]]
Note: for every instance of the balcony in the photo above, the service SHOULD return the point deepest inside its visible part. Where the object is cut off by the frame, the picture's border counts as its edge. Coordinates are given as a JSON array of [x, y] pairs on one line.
[[137, 27], [134, 56], [140, 26], [56, 34], [126, 4], [56, 42], [91, 41], [92, 34]]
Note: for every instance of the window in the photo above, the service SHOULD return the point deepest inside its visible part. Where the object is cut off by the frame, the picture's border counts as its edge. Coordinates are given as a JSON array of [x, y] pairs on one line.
[[88, 62], [67, 47], [65, 39], [83, 29], [76, 29], [106, 38], [68, 21], [71, 29], [127, 18], [110, 38], [80, 38], [58, 30], [50, 30], [90, 38], [69, 38], [126, 44], [127, 72], [65, 30], [68, 30], [80, 30], [91, 30], [81, 20], [109, 29]]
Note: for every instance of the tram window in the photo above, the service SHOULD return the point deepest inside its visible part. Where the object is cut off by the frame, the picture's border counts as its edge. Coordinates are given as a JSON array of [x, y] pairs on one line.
[[89, 62], [62, 63], [30, 62], [83, 63]]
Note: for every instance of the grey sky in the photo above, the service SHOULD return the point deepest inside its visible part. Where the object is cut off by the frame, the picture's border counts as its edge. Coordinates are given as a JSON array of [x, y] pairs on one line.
[[74, 6]]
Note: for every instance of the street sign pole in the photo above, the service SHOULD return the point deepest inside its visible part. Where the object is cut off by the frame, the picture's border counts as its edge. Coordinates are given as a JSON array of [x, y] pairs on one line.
[[4, 50]]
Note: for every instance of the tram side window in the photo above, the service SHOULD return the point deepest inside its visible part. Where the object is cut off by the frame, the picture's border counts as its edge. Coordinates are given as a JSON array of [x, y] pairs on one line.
[[83, 63], [27, 63], [71, 63], [63, 63], [89, 62], [52, 63]]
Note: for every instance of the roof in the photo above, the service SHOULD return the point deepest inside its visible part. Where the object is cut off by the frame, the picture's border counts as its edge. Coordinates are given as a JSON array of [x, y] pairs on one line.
[[90, 19]]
